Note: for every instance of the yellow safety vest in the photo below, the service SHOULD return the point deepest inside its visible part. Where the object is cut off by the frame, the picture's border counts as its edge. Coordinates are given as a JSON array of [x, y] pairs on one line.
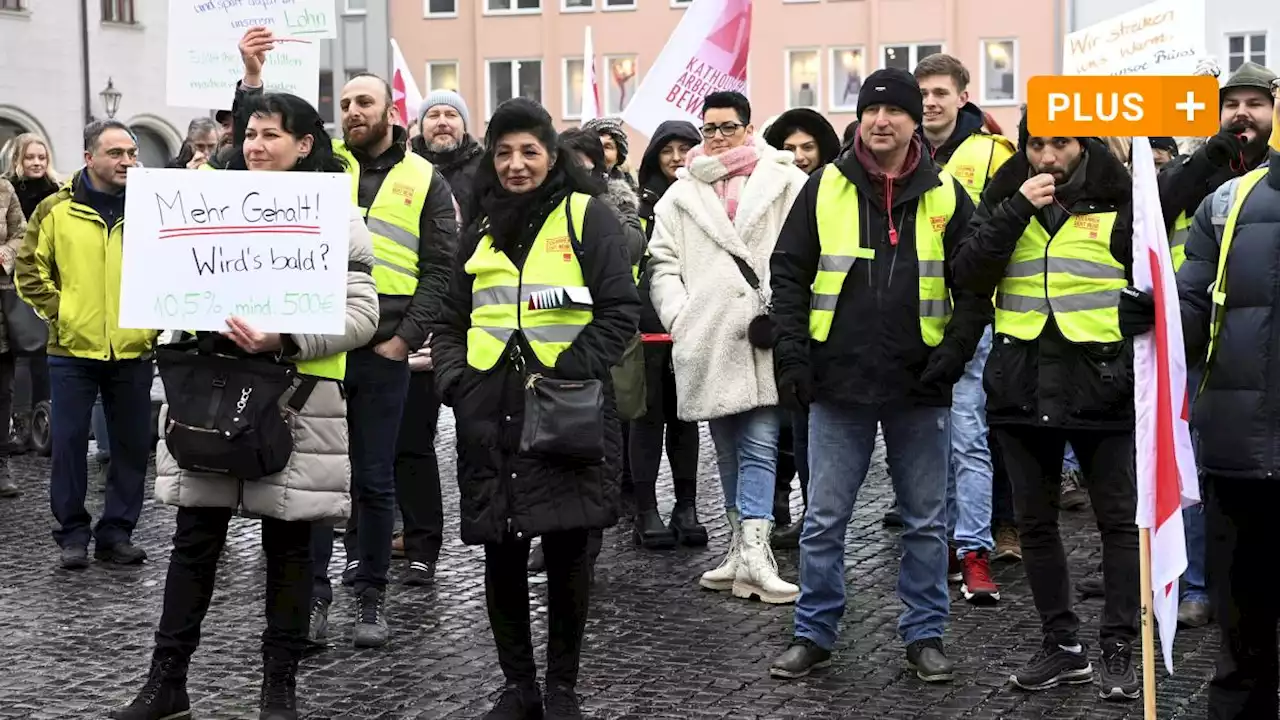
[[205, 166], [1178, 240], [1219, 290], [840, 246], [501, 292], [1071, 275], [393, 219], [977, 159]]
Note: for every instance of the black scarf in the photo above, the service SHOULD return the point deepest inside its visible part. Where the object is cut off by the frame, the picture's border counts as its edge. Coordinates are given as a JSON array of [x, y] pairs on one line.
[[31, 191], [513, 215], [450, 159]]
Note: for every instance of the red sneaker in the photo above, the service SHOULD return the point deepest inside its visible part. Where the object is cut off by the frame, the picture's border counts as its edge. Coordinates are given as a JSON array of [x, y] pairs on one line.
[[978, 586]]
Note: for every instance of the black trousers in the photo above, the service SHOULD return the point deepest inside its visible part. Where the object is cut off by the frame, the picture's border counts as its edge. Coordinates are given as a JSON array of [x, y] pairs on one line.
[[1033, 459], [6, 401], [417, 471], [1002, 513], [1241, 553], [659, 421], [568, 591], [32, 381], [197, 544]]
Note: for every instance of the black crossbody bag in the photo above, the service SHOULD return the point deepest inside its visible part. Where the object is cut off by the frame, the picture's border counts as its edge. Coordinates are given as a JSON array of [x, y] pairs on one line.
[[762, 333]]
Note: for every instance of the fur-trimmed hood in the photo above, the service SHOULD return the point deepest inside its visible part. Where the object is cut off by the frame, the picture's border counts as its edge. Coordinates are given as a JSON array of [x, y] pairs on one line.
[[1106, 178], [621, 198]]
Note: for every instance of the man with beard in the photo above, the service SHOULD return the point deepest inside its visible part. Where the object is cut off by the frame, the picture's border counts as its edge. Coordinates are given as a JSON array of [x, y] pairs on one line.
[[410, 213], [446, 142], [1052, 238]]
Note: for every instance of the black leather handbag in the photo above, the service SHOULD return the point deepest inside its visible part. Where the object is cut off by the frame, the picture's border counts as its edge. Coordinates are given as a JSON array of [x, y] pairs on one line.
[[563, 419], [27, 333]]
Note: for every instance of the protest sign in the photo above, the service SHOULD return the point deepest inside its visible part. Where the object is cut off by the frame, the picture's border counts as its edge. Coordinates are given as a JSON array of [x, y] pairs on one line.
[[270, 247], [1166, 37], [231, 18], [201, 74], [706, 53]]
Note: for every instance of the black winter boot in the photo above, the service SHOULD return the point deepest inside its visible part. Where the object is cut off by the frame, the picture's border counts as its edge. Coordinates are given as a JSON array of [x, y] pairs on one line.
[[649, 532], [685, 526], [164, 696], [517, 702], [279, 700]]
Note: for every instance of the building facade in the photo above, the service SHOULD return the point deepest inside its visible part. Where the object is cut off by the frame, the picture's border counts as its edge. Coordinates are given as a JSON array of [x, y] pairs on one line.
[[46, 87], [804, 53]]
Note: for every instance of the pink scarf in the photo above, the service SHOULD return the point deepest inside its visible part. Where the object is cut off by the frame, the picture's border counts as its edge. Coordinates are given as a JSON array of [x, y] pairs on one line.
[[726, 173]]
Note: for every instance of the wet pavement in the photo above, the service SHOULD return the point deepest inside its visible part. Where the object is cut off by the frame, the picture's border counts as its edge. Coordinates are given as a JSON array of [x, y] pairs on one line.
[[74, 645]]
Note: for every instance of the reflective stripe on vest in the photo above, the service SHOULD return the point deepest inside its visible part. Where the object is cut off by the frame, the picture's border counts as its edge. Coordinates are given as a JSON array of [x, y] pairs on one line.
[[839, 241], [971, 163], [1178, 240], [1219, 290], [393, 219], [500, 293], [333, 367], [1071, 275]]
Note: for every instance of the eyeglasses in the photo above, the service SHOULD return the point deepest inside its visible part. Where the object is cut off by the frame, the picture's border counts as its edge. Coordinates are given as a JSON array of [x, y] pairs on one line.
[[728, 129]]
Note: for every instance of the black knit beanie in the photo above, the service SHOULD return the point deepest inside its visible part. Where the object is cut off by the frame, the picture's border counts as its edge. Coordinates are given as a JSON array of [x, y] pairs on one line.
[[895, 87]]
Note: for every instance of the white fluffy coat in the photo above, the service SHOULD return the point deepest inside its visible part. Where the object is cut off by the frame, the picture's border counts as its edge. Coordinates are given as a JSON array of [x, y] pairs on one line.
[[699, 292]]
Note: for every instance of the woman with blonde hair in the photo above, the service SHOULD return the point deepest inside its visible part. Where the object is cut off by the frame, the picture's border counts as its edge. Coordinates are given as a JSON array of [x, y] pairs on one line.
[[28, 162]]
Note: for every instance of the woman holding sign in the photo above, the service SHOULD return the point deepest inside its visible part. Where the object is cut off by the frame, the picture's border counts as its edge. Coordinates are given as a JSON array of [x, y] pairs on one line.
[[284, 134], [541, 305]]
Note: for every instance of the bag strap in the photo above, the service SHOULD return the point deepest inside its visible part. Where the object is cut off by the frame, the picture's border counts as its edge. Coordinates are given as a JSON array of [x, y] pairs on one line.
[[750, 275], [305, 386], [573, 234]]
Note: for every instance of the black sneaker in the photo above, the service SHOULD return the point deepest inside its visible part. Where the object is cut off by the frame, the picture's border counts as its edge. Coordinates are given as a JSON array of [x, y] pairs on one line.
[[163, 697], [74, 557], [892, 519], [121, 553], [419, 574], [371, 619], [562, 704], [517, 702], [800, 658], [279, 698], [929, 661], [1052, 666], [1118, 679], [349, 573], [318, 627]]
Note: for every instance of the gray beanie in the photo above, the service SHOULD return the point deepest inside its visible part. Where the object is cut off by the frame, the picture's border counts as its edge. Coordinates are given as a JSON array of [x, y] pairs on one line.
[[446, 97], [611, 126]]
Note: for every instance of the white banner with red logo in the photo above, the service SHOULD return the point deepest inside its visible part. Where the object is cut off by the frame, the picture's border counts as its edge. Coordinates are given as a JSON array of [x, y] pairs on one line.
[[706, 53]]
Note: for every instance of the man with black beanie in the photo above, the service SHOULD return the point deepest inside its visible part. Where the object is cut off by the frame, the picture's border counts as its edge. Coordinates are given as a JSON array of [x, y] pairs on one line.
[[1052, 238], [867, 337]]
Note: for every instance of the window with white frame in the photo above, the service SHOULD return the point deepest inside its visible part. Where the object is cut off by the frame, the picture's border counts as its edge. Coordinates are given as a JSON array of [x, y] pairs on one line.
[[118, 11], [619, 4], [848, 70], [803, 71], [496, 7], [440, 8], [621, 75], [513, 78], [999, 72], [1246, 47], [906, 57], [573, 74], [15, 5], [577, 5], [443, 75], [356, 7]]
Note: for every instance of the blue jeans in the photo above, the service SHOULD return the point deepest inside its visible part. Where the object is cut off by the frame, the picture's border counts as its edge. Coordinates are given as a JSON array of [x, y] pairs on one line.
[[747, 453], [101, 437], [1194, 585], [1069, 461], [969, 474], [376, 391], [74, 384], [917, 442]]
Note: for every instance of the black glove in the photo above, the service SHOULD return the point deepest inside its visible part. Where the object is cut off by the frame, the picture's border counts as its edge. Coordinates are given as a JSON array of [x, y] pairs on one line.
[[1224, 148], [946, 366], [1137, 312], [795, 390]]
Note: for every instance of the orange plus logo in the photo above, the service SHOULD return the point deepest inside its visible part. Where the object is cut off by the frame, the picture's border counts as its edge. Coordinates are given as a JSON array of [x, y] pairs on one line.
[[1122, 106]]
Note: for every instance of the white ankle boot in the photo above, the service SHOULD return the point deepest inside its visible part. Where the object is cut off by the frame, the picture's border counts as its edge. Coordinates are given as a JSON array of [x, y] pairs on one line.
[[758, 571], [722, 578]]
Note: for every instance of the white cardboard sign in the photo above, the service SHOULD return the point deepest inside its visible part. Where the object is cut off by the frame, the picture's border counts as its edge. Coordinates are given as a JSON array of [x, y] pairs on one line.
[[231, 18], [270, 247], [1165, 37]]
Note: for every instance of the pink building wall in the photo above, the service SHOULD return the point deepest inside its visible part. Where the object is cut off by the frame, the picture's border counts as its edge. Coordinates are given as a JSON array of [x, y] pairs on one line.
[[960, 26]]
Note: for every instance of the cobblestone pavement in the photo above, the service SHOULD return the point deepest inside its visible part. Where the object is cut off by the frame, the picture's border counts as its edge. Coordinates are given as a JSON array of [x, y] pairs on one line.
[[74, 645]]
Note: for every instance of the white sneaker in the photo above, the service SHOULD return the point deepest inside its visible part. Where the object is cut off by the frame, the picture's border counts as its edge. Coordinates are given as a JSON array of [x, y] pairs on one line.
[[722, 577], [758, 571]]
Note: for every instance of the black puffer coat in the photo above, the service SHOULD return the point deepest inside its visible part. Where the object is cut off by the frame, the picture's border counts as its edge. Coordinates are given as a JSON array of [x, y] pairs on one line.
[[1237, 413], [503, 492], [1051, 381], [653, 185]]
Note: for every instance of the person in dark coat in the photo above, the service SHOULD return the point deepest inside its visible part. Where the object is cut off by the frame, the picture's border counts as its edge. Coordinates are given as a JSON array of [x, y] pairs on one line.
[[666, 154], [526, 188], [1052, 239], [446, 141], [806, 133]]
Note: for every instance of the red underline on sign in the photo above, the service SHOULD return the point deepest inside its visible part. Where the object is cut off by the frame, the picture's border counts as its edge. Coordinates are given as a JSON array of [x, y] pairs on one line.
[[241, 230]]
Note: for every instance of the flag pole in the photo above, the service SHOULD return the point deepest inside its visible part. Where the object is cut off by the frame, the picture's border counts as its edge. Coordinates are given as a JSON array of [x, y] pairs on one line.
[[1148, 627]]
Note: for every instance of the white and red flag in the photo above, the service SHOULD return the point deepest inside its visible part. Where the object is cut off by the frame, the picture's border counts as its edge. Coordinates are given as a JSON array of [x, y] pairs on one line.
[[1166, 465], [590, 85], [404, 89]]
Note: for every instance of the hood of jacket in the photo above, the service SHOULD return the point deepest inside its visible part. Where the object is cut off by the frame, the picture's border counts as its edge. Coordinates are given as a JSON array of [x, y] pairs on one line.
[[650, 175], [620, 198], [1106, 179], [811, 122], [968, 122]]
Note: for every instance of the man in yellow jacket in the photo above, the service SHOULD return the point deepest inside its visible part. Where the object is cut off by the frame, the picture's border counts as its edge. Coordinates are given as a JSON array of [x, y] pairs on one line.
[[68, 269]]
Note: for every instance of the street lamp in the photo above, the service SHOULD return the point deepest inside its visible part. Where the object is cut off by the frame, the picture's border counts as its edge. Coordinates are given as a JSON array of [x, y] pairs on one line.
[[110, 98]]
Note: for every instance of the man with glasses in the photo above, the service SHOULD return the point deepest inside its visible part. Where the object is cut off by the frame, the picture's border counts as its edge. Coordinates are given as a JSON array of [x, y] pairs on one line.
[[68, 269]]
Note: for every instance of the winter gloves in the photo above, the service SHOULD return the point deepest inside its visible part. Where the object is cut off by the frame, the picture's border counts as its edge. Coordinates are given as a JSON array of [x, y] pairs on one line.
[[1137, 312], [1225, 148], [946, 365]]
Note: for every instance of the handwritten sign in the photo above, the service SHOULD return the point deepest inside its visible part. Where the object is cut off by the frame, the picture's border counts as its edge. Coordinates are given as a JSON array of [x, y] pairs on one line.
[[204, 74], [231, 18], [270, 247], [1161, 38]]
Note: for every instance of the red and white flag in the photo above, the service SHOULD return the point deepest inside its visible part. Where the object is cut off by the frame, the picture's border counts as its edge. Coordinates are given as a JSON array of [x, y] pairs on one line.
[[1166, 465], [404, 89], [590, 85]]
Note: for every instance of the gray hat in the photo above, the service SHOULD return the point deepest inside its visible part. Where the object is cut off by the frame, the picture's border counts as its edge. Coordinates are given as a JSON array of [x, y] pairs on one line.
[[611, 126], [446, 97], [1249, 75]]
